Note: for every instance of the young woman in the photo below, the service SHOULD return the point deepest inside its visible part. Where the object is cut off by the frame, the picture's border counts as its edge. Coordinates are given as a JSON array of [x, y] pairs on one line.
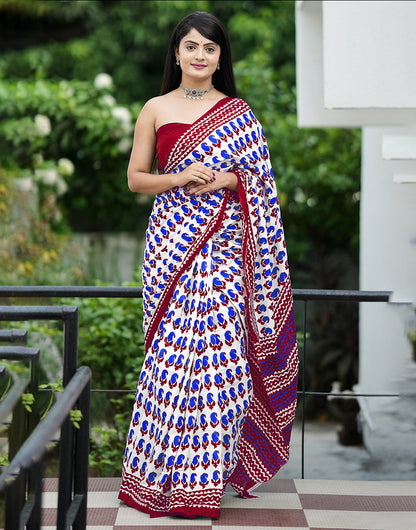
[[216, 397]]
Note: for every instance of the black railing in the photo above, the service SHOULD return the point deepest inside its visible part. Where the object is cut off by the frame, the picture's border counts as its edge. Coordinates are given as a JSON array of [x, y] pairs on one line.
[[22, 479], [301, 295], [29, 463]]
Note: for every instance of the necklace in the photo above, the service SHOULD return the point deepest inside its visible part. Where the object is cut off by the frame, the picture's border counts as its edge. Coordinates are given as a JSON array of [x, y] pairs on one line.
[[193, 93]]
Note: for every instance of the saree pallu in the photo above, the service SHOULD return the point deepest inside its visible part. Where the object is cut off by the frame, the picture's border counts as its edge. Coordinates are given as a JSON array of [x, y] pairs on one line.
[[216, 398]]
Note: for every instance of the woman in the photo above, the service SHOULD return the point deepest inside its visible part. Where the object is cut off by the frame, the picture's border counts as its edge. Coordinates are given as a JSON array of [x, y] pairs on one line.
[[216, 397]]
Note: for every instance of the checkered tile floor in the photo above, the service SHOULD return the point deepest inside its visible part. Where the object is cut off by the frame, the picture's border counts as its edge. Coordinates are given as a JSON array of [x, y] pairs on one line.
[[282, 503]]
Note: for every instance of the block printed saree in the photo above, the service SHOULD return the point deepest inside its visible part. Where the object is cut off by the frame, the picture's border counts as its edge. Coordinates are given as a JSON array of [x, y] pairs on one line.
[[216, 398]]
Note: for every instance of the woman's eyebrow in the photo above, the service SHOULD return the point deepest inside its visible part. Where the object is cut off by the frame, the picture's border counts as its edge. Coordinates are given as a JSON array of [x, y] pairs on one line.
[[206, 44]]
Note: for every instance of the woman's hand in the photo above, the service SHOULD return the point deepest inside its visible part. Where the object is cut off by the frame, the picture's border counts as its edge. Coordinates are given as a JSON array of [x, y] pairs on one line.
[[219, 179], [194, 175]]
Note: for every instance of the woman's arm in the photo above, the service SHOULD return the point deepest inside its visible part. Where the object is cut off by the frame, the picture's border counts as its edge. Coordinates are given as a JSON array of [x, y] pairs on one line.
[[140, 180]]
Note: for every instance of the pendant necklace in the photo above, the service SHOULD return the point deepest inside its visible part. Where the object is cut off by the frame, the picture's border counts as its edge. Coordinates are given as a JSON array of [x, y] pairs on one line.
[[193, 93]]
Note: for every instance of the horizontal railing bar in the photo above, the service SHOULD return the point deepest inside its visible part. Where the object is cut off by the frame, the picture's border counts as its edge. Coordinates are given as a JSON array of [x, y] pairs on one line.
[[299, 392], [13, 335], [12, 397], [69, 291], [345, 395], [92, 291], [34, 448], [345, 295], [18, 353], [36, 312], [73, 510]]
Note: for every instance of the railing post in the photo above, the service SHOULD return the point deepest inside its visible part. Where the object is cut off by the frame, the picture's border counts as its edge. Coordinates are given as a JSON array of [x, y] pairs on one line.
[[15, 495], [66, 444], [70, 354], [305, 313], [35, 487], [23, 422], [82, 441]]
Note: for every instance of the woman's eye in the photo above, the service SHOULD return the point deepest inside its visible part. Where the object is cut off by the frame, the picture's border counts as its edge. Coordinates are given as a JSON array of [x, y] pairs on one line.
[[210, 50], [190, 47]]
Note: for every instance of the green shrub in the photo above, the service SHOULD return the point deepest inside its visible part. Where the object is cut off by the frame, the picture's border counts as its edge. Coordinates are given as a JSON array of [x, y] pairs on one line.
[[111, 343]]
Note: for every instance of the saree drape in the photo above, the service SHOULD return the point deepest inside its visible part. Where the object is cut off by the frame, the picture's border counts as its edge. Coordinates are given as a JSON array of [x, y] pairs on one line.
[[216, 398]]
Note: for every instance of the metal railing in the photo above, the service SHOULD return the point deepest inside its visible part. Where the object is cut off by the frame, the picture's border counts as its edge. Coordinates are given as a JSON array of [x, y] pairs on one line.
[[302, 295], [22, 479]]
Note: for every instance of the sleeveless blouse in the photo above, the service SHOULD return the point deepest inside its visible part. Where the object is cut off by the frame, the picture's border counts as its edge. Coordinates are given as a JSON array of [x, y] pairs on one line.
[[166, 137], [168, 134]]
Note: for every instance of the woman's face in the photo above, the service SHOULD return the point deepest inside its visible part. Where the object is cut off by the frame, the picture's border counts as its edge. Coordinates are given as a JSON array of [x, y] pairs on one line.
[[198, 57]]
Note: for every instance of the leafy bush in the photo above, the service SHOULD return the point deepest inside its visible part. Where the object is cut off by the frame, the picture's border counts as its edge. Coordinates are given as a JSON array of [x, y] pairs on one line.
[[31, 252], [45, 121], [111, 342]]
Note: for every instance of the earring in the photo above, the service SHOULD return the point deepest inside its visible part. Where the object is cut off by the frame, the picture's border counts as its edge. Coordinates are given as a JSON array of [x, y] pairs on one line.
[[177, 60], [218, 66]]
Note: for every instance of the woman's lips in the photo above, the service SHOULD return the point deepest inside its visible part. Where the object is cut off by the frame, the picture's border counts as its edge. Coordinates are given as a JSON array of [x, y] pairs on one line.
[[199, 66]]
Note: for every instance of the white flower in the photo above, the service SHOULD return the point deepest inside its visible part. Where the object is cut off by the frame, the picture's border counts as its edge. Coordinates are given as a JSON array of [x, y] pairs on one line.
[[108, 99], [299, 195], [48, 176], [61, 187], [122, 114], [25, 184], [103, 81], [65, 167], [43, 124], [124, 145]]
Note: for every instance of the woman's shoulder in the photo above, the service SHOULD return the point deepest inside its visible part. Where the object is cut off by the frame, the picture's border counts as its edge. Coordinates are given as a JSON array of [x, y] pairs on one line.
[[153, 104], [152, 109]]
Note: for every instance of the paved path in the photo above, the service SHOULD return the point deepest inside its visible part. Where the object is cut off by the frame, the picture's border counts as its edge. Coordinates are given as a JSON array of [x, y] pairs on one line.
[[293, 504]]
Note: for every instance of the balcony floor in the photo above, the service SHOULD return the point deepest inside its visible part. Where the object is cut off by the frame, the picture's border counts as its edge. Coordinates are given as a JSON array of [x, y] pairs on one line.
[[283, 503]]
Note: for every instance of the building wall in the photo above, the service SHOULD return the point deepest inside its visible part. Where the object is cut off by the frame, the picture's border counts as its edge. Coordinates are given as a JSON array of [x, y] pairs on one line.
[[355, 67]]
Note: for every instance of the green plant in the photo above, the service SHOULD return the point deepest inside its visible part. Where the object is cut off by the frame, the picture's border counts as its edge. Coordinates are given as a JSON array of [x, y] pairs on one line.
[[111, 342], [31, 252], [69, 141], [108, 439], [111, 339]]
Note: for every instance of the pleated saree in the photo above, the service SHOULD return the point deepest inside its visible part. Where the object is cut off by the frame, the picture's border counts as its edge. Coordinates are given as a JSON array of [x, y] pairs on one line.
[[216, 398]]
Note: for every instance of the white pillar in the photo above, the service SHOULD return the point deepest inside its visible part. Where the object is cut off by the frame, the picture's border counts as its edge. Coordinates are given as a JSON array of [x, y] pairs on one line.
[[387, 262]]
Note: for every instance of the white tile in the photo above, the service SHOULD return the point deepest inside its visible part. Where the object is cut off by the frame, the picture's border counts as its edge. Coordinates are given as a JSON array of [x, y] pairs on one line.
[[96, 499], [50, 499], [131, 517], [362, 520], [103, 499], [352, 487], [251, 527], [98, 528], [289, 501]]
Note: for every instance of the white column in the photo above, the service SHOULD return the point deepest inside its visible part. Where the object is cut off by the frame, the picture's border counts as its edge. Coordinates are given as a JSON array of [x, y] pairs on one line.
[[387, 262]]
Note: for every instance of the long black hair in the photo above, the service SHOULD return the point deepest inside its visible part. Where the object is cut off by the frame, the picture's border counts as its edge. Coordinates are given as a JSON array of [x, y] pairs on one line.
[[211, 28]]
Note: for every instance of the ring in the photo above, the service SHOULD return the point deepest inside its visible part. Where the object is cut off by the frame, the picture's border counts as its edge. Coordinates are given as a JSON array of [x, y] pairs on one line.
[[195, 178]]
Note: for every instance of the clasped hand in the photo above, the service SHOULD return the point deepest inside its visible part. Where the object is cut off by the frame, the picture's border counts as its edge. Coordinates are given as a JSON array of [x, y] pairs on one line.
[[198, 179]]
